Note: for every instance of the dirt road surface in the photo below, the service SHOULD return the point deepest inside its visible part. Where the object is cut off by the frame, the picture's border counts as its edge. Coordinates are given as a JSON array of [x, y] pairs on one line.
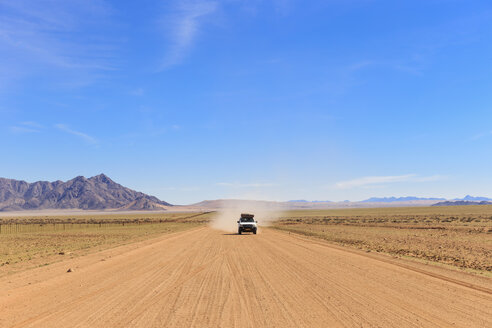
[[205, 278]]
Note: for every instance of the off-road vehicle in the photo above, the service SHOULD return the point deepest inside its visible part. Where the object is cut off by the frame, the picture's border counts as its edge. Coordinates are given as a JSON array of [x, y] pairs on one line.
[[247, 223]]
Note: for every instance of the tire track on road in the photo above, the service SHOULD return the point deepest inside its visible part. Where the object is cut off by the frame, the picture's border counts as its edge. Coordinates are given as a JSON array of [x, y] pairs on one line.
[[205, 278]]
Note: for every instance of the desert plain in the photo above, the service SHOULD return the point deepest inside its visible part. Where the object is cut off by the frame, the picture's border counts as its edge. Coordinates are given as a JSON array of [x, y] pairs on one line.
[[405, 267]]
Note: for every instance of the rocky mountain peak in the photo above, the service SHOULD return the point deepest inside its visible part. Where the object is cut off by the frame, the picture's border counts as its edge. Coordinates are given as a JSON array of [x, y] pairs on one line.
[[98, 192]]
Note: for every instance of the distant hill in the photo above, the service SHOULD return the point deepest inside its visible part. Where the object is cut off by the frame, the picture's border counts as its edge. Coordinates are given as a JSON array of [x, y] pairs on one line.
[[397, 199], [309, 201], [212, 205], [461, 203], [238, 203], [95, 193]]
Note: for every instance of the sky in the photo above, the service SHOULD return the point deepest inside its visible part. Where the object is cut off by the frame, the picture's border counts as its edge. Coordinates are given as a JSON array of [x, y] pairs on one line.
[[262, 99]]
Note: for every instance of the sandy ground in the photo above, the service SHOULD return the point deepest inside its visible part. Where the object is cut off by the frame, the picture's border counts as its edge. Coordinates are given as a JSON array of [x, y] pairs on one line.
[[205, 278]]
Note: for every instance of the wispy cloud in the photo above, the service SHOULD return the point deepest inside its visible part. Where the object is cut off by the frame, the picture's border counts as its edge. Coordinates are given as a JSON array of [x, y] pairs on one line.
[[26, 127], [32, 124], [183, 26], [137, 92], [22, 129], [377, 181], [86, 137], [481, 135], [244, 185], [35, 35]]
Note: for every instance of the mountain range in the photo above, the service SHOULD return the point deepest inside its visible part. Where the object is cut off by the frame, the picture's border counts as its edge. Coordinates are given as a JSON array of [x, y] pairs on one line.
[[95, 193], [102, 193], [373, 200], [474, 199], [400, 199], [462, 203], [396, 199]]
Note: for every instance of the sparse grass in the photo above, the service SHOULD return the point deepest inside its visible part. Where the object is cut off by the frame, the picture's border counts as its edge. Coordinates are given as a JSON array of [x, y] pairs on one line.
[[38, 241], [460, 236], [115, 218]]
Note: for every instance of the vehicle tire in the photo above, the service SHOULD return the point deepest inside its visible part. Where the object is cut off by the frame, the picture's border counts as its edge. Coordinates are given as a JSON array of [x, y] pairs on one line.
[[239, 232], [254, 231]]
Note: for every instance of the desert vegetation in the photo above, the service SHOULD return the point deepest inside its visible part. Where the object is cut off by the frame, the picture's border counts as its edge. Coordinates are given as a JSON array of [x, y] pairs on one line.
[[460, 236], [27, 242]]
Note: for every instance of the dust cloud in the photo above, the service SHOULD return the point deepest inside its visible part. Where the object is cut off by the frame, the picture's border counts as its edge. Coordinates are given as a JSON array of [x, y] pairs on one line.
[[229, 213]]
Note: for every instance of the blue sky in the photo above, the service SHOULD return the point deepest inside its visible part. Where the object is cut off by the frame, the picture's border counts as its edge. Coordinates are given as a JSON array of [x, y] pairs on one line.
[[261, 99]]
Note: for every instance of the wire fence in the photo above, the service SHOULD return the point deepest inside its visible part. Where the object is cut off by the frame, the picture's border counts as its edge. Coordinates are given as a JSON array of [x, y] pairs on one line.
[[34, 226], [15, 228]]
